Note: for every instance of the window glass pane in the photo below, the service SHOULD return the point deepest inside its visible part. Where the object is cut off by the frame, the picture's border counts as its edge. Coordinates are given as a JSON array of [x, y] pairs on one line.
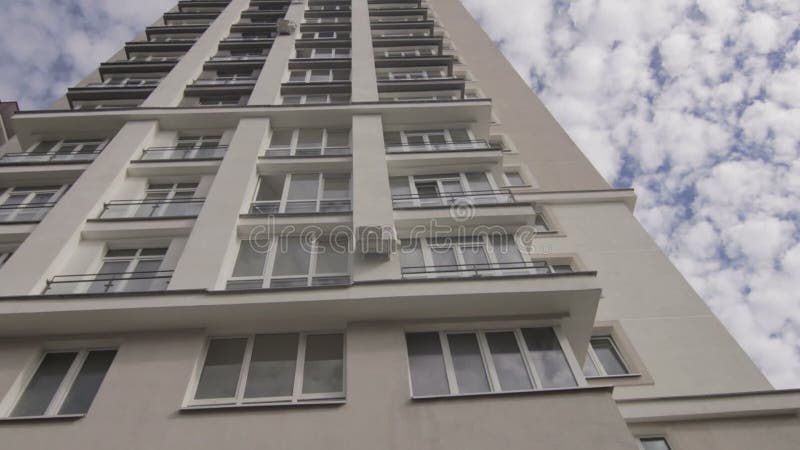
[[444, 258], [144, 276], [320, 75], [292, 257], [44, 384], [310, 137], [304, 187], [548, 358], [88, 382], [297, 75], [272, 366], [332, 257], [337, 187], [281, 138], [428, 375], [654, 444], [324, 365], [220, 373], [392, 138], [475, 256], [505, 249], [338, 138], [291, 99], [411, 253], [44, 146], [459, 135], [515, 179], [400, 186], [508, 362], [589, 369], [250, 262], [478, 181], [467, 363], [608, 357], [269, 189]]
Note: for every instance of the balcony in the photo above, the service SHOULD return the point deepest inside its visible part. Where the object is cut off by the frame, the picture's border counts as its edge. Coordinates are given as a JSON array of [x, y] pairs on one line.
[[226, 81], [104, 283], [148, 209], [24, 213], [127, 83], [460, 146], [183, 153], [290, 282], [238, 58], [488, 269], [277, 207], [48, 158], [455, 199]]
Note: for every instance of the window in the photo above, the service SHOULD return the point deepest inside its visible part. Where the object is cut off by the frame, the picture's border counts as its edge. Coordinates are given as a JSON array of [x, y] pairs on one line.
[[123, 81], [220, 101], [272, 368], [319, 75], [28, 204], [170, 199], [413, 74], [131, 270], [328, 19], [316, 53], [309, 142], [445, 190], [514, 178], [64, 150], [603, 359], [470, 362], [406, 52], [654, 443], [326, 35], [291, 262], [293, 99], [430, 140], [64, 383], [303, 193]]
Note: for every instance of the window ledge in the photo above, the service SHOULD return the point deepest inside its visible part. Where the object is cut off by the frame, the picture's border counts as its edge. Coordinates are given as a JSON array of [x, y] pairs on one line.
[[63, 417], [614, 377], [208, 408], [607, 388]]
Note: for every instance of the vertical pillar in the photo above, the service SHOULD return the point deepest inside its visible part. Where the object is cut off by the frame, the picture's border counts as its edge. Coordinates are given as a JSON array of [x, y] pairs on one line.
[[58, 233], [170, 91], [362, 75], [215, 229], [268, 85], [372, 197]]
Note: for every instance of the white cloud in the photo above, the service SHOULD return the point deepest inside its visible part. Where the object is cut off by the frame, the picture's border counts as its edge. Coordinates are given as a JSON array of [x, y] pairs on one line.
[[711, 128]]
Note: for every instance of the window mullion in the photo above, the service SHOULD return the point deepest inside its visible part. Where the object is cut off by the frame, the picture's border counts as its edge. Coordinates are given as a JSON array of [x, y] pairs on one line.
[[488, 363], [287, 184], [572, 362], [299, 367], [240, 386], [526, 356], [66, 384], [312, 262], [590, 353], [269, 266], [448, 363]]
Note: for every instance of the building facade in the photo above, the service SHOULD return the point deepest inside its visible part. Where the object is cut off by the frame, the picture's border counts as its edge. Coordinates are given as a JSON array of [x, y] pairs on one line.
[[341, 224], [7, 109]]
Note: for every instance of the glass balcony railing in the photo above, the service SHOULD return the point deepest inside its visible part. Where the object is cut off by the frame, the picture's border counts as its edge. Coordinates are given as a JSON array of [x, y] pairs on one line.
[[101, 283], [183, 153], [54, 158], [481, 197], [144, 209], [29, 212]]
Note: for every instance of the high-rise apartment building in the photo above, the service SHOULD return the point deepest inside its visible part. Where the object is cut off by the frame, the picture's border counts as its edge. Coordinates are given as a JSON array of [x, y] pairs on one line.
[[341, 224]]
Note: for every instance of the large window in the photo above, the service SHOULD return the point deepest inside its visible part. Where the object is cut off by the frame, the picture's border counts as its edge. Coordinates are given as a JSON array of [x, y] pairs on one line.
[[28, 204], [406, 52], [271, 368], [302, 193], [317, 53], [430, 140], [291, 262], [471, 362], [308, 99], [189, 147], [319, 75], [309, 142], [446, 190], [64, 383], [412, 74], [131, 270], [604, 359], [68, 150]]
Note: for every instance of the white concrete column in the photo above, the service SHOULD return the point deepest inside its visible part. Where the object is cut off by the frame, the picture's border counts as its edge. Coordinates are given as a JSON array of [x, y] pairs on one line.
[[170, 91], [372, 196], [269, 81], [214, 231], [362, 75], [54, 238]]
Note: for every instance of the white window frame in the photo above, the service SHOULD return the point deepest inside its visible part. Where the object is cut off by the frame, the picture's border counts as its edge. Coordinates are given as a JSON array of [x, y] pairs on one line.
[[400, 33], [297, 393], [324, 7], [308, 76], [407, 52], [446, 133], [320, 198], [294, 146], [314, 53], [56, 192], [271, 256], [57, 401], [128, 81], [407, 74], [171, 192], [219, 101], [316, 35], [415, 96], [327, 19], [601, 370], [303, 99], [461, 177], [411, 18], [121, 283], [639, 440], [488, 363], [55, 153]]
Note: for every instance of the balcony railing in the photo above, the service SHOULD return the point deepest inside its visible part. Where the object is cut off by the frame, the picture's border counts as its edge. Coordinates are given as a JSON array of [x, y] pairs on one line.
[[99, 283], [239, 58], [182, 153], [127, 83], [440, 147], [30, 212], [291, 282], [307, 152], [143, 209], [480, 270], [53, 158], [482, 197], [225, 81], [274, 207]]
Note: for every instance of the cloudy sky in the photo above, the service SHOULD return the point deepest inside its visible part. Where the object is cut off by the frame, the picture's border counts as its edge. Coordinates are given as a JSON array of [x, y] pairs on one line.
[[695, 103]]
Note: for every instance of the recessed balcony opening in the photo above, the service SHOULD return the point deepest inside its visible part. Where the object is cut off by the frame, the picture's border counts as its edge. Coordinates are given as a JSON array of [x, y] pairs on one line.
[[302, 193], [322, 35], [23, 204], [433, 140], [188, 148], [160, 200], [309, 143], [413, 73], [401, 33], [57, 152], [407, 52], [85, 105], [448, 190], [154, 56]]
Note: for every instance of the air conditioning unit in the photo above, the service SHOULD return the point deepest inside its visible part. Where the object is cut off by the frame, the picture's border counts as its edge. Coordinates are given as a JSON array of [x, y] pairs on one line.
[[286, 27], [377, 239]]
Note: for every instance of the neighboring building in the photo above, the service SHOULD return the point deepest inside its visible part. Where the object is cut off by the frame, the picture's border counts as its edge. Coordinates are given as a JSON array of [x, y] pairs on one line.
[[473, 282], [7, 109]]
